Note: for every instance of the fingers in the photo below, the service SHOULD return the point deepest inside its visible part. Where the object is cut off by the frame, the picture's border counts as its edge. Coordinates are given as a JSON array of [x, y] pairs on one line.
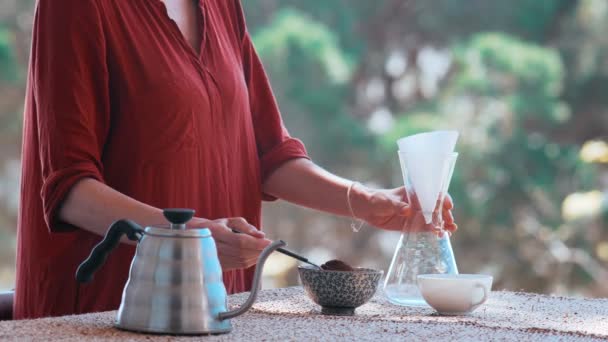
[[236, 261], [402, 193], [222, 231], [240, 241], [448, 217], [451, 227], [448, 220], [237, 250], [232, 258], [401, 208], [247, 242], [242, 226], [388, 209], [448, 204]]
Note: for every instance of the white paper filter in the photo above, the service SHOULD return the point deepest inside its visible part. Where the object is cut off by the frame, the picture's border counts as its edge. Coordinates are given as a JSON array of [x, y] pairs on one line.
[[425, 155]]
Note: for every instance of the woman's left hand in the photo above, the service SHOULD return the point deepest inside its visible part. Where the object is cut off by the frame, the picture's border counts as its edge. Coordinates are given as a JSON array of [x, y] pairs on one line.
[[388, 208]]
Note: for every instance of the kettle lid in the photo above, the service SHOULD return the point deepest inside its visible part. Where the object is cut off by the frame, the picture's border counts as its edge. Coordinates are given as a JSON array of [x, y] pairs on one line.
[[186, 233], [178, 217]]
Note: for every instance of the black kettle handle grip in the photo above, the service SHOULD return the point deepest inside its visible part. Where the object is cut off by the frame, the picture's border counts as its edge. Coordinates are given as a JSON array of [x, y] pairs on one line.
[[100, 252]]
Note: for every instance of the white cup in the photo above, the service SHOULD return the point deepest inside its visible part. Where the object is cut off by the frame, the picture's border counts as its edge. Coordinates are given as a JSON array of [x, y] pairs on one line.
[[455, 294]]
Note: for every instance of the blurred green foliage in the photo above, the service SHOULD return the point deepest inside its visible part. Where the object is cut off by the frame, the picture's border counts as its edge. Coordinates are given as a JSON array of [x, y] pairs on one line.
[[529, 19], [512, 88], [507, 91], [8, 63], [309, 68]]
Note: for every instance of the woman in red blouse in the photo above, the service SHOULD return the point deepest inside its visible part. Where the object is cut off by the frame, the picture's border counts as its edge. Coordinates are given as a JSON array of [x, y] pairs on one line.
[[133, 106]]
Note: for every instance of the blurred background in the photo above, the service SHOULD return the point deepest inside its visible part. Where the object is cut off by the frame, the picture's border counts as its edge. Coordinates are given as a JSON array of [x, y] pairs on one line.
[[524, 82]]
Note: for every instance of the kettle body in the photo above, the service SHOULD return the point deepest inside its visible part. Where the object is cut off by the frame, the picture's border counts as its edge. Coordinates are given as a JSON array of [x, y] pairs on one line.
[[175, 283]]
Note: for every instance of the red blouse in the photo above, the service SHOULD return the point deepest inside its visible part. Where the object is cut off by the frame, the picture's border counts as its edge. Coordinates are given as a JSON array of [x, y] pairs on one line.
[[116, 93]]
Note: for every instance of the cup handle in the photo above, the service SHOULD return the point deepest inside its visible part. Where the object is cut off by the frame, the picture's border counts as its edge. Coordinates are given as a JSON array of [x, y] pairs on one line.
[[483, 299]]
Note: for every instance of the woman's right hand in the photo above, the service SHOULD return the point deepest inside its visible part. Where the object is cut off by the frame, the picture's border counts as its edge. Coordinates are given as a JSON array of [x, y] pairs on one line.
[[234, 250]]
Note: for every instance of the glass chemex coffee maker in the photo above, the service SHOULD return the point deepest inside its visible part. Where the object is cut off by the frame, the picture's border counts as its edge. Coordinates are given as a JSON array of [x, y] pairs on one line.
[[427, 162]]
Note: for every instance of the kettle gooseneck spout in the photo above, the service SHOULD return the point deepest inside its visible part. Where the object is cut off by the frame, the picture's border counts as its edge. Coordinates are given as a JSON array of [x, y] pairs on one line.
[[256, 282]]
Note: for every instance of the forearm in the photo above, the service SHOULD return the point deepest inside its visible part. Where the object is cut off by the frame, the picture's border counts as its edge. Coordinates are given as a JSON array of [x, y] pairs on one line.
[[302, 182], [93, 206]]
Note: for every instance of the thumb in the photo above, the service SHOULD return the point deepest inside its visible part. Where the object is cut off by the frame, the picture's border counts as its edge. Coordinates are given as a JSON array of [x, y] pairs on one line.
[[402, 208]]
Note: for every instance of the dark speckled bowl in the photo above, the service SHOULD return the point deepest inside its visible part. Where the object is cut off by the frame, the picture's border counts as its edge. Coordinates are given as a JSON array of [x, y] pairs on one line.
[[339, 292]]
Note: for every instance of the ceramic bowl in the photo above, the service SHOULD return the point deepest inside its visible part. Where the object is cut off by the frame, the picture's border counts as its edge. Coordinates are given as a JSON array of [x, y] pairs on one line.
[[339, 292]]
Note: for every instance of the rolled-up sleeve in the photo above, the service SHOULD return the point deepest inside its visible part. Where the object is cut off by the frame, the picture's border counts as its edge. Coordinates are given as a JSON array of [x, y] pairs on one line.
[[69, 79], [275, 145]]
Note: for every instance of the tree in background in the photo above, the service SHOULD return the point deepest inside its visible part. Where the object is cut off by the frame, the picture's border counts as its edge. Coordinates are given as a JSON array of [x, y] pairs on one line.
[[504, 98], [490, 69], [14, 42], [7, 59]]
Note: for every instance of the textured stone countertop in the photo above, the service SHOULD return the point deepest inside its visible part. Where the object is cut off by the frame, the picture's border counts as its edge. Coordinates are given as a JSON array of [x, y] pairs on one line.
[[287, 314]]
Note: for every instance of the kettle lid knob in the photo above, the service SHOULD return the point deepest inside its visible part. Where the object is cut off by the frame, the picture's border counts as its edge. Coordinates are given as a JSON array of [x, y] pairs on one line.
[[178, 217]]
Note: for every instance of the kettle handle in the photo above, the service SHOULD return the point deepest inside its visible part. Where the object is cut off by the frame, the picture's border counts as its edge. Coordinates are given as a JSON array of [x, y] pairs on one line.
[[256, 282], [100, 252]]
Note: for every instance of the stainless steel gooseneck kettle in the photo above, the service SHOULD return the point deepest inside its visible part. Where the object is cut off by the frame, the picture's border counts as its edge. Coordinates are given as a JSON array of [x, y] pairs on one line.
[[175, 283]]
